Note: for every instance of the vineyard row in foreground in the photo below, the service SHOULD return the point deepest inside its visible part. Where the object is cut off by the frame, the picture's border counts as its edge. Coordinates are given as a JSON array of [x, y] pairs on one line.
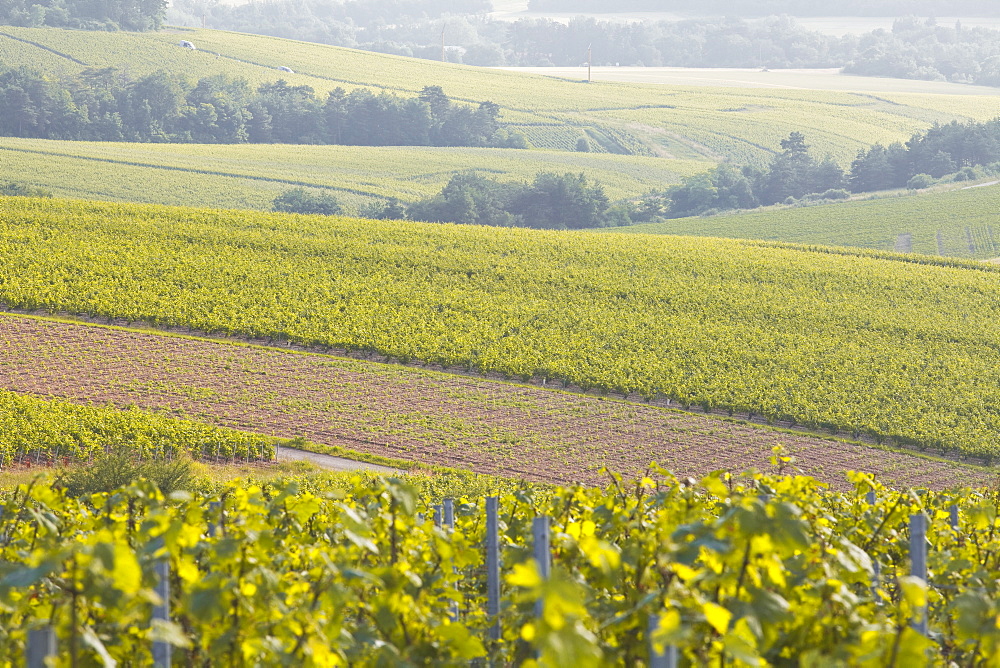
[[750, 571]]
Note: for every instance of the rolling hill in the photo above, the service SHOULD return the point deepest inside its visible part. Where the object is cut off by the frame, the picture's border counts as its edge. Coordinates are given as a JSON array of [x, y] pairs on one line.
[[243, 176], [955, 223], [684, 122], [898, 348]]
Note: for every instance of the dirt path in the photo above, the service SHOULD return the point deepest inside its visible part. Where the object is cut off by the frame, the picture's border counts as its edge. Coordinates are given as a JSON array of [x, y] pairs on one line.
[[329, 462], [414, 414]]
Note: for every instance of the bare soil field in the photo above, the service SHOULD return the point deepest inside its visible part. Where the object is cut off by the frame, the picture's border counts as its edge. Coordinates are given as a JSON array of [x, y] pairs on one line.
[[415, 414]]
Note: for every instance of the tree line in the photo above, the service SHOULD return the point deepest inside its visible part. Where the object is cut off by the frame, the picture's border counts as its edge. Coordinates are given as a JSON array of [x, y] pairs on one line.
[[104, 105], [551, 201], [87, 14], [954, 150]]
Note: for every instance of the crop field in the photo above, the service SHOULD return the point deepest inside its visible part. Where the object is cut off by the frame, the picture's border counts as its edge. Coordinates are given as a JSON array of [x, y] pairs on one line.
[[34, 430], [900, 349], [420, 415], [245, 176], [956, 223], [739, 123], [755, 77]]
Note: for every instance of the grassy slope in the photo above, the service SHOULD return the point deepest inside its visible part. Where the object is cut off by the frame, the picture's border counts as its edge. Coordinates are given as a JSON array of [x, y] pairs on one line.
[[957, 223], [868, 343], [244, 176], [687, 122]]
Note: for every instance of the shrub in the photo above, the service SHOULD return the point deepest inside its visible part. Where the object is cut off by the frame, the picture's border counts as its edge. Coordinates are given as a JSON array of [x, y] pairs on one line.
[[583, 145], [920, 181], [12, 189], [835, 193], [300, 200], [120, 467]]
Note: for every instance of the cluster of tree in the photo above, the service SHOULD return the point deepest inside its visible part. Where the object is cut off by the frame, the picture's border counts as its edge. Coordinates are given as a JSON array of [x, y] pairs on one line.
[[941, 150], [916, 49], [88, 14], [104, 105], [551, 201], [954, 150], [793, 174]]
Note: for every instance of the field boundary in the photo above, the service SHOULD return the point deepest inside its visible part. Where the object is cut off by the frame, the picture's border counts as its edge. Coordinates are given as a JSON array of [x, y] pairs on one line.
[[660, 402], [207, 172], [44, 48]]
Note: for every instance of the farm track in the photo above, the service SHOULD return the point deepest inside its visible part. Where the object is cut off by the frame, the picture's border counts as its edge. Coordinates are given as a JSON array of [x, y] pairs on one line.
[[415, 414]]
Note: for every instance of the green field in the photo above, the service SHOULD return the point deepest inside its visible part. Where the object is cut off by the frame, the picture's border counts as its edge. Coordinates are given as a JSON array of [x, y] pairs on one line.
[[250, 176], [755, 77], [685, 122], [36, 430], [955, 223], [828, 339]]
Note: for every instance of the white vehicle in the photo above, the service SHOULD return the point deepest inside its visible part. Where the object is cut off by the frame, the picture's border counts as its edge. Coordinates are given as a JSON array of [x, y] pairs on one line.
[[186, 44], [286, 69]]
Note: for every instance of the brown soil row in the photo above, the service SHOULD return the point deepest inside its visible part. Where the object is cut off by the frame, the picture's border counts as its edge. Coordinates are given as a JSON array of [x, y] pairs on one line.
[[414, 414]]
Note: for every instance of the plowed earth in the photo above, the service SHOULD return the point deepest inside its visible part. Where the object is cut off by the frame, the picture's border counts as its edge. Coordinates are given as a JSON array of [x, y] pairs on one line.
[[414, 414]]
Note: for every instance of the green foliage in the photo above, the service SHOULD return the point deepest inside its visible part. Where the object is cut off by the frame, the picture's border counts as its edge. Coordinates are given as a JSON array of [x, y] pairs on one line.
[[34, 431], [104, 104], [896, 348], [300, 200], [791, 175], [121, 467], [920, 181], [551, 201], [746, 571], [87, 14], [12, 189]]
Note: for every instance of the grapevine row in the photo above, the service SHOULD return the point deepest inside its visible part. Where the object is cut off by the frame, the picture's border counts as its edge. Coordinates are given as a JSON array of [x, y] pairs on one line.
[[742, 570], [39, 431]]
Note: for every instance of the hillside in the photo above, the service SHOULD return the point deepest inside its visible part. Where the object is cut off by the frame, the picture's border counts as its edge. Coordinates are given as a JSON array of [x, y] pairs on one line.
[[692, 122], [244, 176], [874, 345], [955, 223], [532, 433]]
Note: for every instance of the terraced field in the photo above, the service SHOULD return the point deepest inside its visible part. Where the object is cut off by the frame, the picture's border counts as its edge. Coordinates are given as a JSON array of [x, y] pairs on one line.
[[896, 347], [250, 177], [955, 223], [685, 122], [416, 414]]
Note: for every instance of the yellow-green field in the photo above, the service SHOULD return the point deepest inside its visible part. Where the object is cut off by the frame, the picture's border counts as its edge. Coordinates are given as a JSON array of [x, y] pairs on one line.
[[895, 347], [250, 176], [955, 223], [739, 123]]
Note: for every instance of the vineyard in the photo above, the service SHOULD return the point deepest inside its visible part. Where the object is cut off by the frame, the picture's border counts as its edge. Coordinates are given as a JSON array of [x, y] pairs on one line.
[[251, 176], [417, 414], [953, 223], [36, 431], [739, 570], [899, 350], [689, 122]]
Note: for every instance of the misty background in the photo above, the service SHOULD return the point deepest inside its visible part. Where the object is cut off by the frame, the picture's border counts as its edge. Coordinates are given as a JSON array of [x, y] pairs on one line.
[[902, 38]]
